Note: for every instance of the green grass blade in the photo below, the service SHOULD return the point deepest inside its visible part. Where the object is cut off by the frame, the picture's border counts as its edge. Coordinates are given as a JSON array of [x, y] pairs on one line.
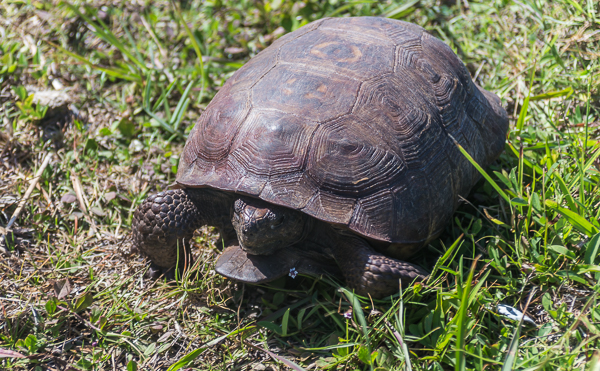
[[480, 281], [347, 6], [553, 94], [591, 160], [270, 326], [461, 324], [191, 356], [121, 74], [360, 317], [442, 260], [405, 352], [138, 55], [577, 6], [565, 191], [592, 249], [522, 114], [511, 355], [575, 219], [181, 107], [358, 312], [160, 121], [183, 361], [147, 90], [481, 171], [400, 321], [165, 95], [513, 348], [525, 107], [284, 323], [192, 40], [152, 33], [536, 167], [329, 347], [401, 10], [103, 31]]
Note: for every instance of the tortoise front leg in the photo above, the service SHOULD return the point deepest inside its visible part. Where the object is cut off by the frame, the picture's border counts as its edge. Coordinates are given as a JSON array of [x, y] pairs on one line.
[[165, 222], [370, 272]]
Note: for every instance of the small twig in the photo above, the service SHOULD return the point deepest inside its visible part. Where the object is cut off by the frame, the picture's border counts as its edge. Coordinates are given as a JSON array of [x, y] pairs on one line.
[[276, 357], [82, 205], [32, 183], [478, 70], [153, 35], [517, 100]]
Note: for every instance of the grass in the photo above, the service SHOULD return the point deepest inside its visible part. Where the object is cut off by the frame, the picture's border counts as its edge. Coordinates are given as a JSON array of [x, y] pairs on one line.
[[137, 76]]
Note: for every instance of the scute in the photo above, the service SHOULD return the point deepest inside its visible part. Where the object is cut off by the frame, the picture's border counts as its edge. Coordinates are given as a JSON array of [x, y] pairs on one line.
[[352, 121], [347, 159], [272, 143], [298, 89], [353, 55], [209, 142]]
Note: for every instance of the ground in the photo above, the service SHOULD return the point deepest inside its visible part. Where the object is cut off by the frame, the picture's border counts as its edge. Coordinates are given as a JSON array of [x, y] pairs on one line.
[[110, 91]]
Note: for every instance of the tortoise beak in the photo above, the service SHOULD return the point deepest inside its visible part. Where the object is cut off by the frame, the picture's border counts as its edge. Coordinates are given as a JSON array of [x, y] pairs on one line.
[[237, 264]]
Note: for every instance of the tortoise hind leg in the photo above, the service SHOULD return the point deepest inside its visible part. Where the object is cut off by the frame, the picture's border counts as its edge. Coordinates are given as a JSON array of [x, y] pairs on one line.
[[369, 272], [165, 222]]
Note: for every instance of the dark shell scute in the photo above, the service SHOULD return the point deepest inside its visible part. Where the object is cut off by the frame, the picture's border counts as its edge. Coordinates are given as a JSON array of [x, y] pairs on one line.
[[300, 90], [353, 55], [346, 159]]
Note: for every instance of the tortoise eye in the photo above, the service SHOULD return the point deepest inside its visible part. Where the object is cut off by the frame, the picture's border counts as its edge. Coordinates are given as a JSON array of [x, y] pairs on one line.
[[278, 222]]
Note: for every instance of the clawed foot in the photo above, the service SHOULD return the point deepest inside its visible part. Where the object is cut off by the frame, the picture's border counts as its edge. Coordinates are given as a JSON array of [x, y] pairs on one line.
[[371, 273], [381, 275], [163, 225]]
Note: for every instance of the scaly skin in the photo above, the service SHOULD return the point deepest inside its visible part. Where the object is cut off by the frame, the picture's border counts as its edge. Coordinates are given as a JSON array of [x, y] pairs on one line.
[[370, 272], [164, 224]]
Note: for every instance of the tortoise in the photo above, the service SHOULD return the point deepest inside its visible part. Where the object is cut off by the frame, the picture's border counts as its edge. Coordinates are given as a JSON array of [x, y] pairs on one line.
[[334, 150]]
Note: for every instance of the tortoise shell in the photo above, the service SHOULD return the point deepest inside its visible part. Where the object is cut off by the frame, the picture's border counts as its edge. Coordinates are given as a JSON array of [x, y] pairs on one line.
[[351, 121]]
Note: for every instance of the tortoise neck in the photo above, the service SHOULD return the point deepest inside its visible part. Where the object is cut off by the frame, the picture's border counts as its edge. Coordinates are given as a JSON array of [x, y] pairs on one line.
[[322, 236]]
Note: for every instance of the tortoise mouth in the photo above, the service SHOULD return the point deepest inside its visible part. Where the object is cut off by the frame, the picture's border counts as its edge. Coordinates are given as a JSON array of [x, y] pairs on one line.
[[264, 249]]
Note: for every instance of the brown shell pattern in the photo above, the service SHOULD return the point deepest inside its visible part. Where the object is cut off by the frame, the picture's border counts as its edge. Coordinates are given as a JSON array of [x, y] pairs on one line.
[[351, 121]]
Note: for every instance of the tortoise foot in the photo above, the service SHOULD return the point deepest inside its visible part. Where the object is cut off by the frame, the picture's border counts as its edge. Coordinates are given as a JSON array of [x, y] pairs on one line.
[[371, 273], [380, 275], [162, 227]]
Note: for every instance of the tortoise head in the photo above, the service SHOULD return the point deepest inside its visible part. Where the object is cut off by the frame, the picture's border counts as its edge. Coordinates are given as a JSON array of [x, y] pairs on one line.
[[262, 228]]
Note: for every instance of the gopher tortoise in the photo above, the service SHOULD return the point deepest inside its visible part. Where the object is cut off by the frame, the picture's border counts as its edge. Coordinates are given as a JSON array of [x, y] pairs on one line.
[[331, 151]]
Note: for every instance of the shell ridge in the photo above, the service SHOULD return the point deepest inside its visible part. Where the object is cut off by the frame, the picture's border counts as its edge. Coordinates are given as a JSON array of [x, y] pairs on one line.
[[358, 35], [237, 130], [319, 70], [440, 123]]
